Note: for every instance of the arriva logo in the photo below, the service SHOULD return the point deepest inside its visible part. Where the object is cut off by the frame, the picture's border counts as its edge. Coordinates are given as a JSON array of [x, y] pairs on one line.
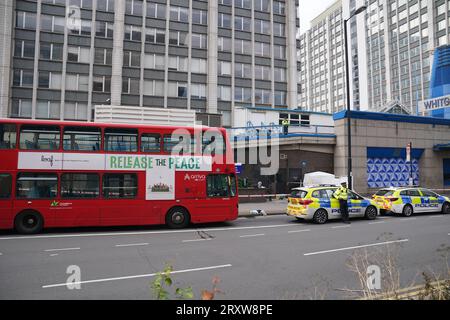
[[195, 177]]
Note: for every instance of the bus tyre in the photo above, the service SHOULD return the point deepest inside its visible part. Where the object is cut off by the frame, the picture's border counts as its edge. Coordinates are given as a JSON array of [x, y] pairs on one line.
[[178, 218], [407, 211], [321, 216], [29, 222], [371, 213], [446, 208]]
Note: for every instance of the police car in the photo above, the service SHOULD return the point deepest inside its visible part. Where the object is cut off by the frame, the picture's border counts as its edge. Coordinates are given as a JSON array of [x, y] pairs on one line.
[[319, 205], [407, 201]]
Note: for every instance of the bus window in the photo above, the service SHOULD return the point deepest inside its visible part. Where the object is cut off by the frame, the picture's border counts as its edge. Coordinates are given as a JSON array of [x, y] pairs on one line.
[[151, 143], [8, 133], [213, 143], [82, 139], [119, 186], [121, 140], [36, 186], [179, 144], [39, 137], [80, 186], [218, 186], [5, 186]]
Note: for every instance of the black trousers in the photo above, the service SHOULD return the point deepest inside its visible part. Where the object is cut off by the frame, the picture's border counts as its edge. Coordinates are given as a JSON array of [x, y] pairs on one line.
[[285, 130], [344, 209]]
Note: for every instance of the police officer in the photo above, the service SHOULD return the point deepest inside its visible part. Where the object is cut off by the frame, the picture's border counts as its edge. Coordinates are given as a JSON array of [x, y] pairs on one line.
[[285, 126], [342, 195]]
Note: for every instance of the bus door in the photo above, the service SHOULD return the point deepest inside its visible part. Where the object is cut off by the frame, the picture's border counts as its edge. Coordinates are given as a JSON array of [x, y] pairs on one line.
[[5, 200], [220, 191]]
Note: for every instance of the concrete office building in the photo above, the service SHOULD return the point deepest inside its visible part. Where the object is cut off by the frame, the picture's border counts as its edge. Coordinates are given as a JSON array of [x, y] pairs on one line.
[[391, 47], [203, 55]]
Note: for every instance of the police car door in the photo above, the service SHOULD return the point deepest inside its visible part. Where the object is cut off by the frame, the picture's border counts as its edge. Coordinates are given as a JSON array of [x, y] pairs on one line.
[[430, 201], [354, 204], [416, 200], [333, 202]]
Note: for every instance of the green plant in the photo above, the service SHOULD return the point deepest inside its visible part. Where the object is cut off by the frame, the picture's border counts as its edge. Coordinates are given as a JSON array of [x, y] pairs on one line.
[[163, 281]]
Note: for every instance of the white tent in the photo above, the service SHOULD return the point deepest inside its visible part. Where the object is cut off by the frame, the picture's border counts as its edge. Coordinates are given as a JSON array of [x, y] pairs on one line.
[[322, 178]]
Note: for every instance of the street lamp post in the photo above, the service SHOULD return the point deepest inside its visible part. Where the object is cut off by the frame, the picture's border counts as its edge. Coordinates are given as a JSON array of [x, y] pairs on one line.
[[347, 77]]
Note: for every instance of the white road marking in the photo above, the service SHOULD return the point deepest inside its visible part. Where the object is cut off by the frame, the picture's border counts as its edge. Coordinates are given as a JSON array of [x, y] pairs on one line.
[[407, 219], [379, 222], [196, 240], [64, 249], [81, 235], [54, 255], [252, 235], [132, 245], [298, 231], [135, 277], [356, 247], [1, 254], [340, 227]]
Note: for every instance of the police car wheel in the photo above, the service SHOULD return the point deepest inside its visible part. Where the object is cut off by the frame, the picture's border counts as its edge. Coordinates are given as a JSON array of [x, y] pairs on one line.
[[446, 208], [407, 211], [321, 216], [371, 213]]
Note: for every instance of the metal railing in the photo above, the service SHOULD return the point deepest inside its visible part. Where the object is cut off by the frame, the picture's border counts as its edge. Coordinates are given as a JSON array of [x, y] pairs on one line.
[[268, 131]]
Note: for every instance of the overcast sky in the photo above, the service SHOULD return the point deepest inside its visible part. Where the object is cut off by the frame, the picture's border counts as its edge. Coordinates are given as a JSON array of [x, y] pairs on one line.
[[309, 9]]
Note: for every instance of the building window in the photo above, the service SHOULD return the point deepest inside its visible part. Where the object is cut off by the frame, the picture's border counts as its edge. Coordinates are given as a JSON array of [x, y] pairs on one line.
[[131, 59], [244, 4], [25, 20], [21, 108], [101, 84], [179, 14], [178, 63], [224, 93], [198, 91], [103, 56], [153, 88], [279, 8], [51, 51], [243, 24], [134, 7], [262, 5], [105, 5], [263, 73], [224, 68], [76, 111], [279, 30], [23, 78], [133, 33], [280, 98], [225, 21], [242, 94], [104, 29], [50, 80], [224, 44], [280, 74], [8, 135], [263, 96], [154, 61], [199, 17], [199, 41], [177, 90], [262, 49], [156, 10], [198, 66], [52, 24], [48, 110], [130, 85], [24, 49], [262, 26], [78, 54], [77, 82], [243, 70], [178, 38], [153, 35], [85, 4]]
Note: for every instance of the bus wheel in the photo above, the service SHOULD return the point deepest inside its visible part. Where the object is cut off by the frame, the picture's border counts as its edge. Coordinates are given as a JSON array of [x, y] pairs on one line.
[[28, 222], [177, 218]]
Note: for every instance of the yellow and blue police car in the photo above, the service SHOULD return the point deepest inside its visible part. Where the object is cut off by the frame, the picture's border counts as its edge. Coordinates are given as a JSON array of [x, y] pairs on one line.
[[319, 205], [407, 201]]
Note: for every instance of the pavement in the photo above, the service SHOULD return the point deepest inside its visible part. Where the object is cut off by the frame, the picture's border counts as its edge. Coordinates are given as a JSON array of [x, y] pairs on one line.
[[264, 258], [275, 207]]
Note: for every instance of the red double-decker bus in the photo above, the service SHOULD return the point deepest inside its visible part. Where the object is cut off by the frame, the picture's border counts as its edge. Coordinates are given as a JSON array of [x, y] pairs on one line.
[[71, 174]]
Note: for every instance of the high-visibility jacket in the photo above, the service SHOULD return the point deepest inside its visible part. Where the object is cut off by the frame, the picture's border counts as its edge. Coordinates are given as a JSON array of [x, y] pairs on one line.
[[285, 122], [341, 193]]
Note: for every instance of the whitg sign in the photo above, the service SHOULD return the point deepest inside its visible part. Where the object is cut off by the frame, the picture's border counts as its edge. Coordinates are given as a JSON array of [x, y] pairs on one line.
[[436, 103]]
